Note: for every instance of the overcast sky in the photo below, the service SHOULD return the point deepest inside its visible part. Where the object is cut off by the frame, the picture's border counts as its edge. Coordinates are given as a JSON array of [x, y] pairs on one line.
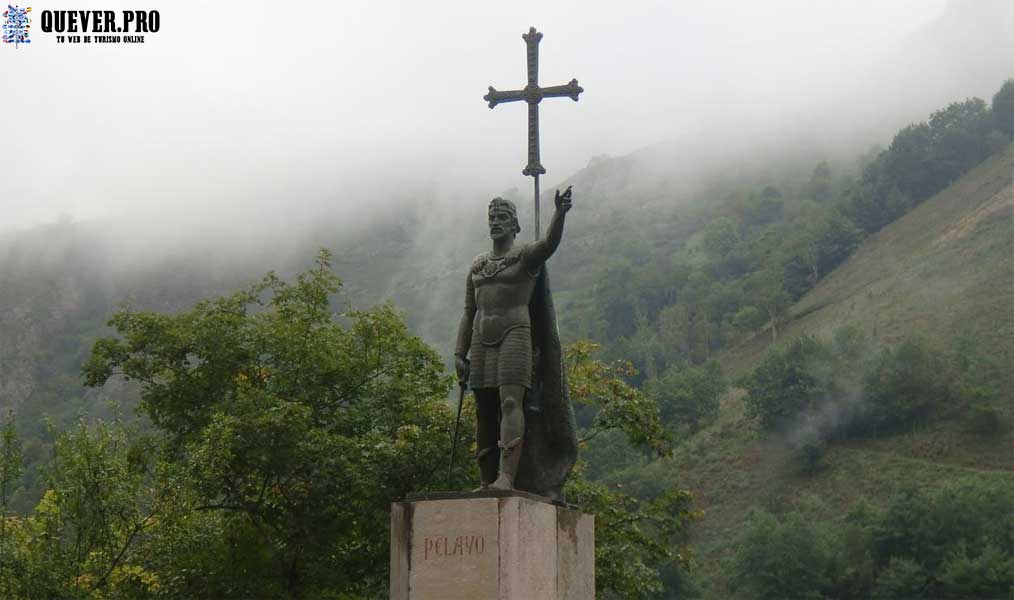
[[259, 112]]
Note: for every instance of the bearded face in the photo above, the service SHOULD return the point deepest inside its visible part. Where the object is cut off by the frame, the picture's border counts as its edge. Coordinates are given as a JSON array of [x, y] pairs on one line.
[[502, 224]]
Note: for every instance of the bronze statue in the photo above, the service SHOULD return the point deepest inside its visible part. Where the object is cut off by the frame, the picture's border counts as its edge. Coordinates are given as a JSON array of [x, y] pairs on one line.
[[508, 350]]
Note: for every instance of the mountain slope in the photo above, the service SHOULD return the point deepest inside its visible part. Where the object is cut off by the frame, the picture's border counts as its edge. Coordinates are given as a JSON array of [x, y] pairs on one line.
[[943, 271]]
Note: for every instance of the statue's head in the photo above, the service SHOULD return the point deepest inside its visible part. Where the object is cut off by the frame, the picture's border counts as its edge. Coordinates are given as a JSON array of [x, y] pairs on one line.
[[503, 219]]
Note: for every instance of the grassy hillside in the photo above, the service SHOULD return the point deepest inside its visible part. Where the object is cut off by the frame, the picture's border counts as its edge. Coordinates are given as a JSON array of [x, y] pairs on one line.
[[944, 271]]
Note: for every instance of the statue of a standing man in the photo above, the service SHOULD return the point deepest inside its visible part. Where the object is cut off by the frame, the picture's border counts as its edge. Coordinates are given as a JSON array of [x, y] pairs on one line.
[[508, 350]]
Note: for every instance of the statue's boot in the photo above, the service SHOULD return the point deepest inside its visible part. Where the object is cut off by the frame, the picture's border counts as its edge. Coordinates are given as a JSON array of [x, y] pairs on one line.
[[487, 467], [510, 458]]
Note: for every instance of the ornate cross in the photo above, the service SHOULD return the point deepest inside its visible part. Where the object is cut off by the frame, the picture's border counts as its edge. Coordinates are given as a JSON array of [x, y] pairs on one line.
[[533, 94]]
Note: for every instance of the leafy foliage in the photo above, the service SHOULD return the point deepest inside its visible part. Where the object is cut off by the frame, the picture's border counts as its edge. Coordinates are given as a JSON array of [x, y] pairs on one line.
[[904, 384], [818, 250], [820, 185], [292, 428], [903, 578], [11, 468], [923, 159], [721, 236], [614, 403], [688, 396], [635, 539], [961, 537], [835, 388], [81, 539], [1003, 107], [787, 382], [783, 559], [955, 542]]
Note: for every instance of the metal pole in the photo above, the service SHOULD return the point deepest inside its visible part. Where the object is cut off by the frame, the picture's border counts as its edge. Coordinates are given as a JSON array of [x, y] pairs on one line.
[[538, 234]]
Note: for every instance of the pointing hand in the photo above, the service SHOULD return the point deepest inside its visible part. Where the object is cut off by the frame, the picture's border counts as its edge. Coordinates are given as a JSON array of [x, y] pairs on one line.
[[563, 201]]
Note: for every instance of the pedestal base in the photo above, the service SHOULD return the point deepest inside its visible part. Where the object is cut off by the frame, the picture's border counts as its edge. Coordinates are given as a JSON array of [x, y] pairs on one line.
[[491, 545]]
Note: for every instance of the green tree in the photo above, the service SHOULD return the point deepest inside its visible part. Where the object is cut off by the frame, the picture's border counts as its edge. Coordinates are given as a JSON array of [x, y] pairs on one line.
[[960, 132], [761, 209], [903, 385], [817, 250], [923, 159], [635, 538], [294, 426], [903, 578], [783, 559], [767, 291], [82, 538], [1003, 107], [688, 396], [819, 186], [788, 381], [987, 572], [11, 468], [952, 542], [747, 319], [721, 236], [615, 404], [876, 200], [614, 301]]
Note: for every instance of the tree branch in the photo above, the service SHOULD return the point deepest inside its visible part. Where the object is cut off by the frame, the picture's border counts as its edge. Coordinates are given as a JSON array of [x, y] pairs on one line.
[[138, 527]]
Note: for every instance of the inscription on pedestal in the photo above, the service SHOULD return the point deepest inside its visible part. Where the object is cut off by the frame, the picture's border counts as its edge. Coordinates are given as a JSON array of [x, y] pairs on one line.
[[462, 545]]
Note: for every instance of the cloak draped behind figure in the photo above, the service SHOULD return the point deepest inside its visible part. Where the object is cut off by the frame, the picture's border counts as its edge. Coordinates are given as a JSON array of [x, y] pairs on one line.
[[550, 447]]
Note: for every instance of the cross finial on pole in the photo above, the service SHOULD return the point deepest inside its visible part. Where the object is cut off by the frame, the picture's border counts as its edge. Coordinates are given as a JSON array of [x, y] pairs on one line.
[[533, 94]]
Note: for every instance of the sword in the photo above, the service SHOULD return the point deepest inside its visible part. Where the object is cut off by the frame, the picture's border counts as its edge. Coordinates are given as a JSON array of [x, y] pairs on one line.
[[457, 423]]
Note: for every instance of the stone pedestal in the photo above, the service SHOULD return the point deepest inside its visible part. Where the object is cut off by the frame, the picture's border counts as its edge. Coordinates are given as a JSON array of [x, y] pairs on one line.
[[492, 545]]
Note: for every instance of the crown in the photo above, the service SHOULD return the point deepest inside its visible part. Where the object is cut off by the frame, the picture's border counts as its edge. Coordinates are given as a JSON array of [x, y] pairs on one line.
[[504, 205]]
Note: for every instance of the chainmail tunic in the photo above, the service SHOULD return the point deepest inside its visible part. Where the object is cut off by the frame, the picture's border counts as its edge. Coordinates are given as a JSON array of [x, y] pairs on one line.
[[509, 363]]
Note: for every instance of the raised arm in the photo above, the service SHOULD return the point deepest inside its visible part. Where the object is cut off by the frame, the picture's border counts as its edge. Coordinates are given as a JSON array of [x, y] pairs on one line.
[[464, 341], [544, 248]]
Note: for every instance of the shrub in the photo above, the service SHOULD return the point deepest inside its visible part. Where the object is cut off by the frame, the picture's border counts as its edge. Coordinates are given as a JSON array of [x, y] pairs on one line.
[[688, 395], [1003, 108], [930, 528], [748, 318], [787, 382], [903, 385], [985, 420], [986, 574], [782, 559], [903, 578]]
